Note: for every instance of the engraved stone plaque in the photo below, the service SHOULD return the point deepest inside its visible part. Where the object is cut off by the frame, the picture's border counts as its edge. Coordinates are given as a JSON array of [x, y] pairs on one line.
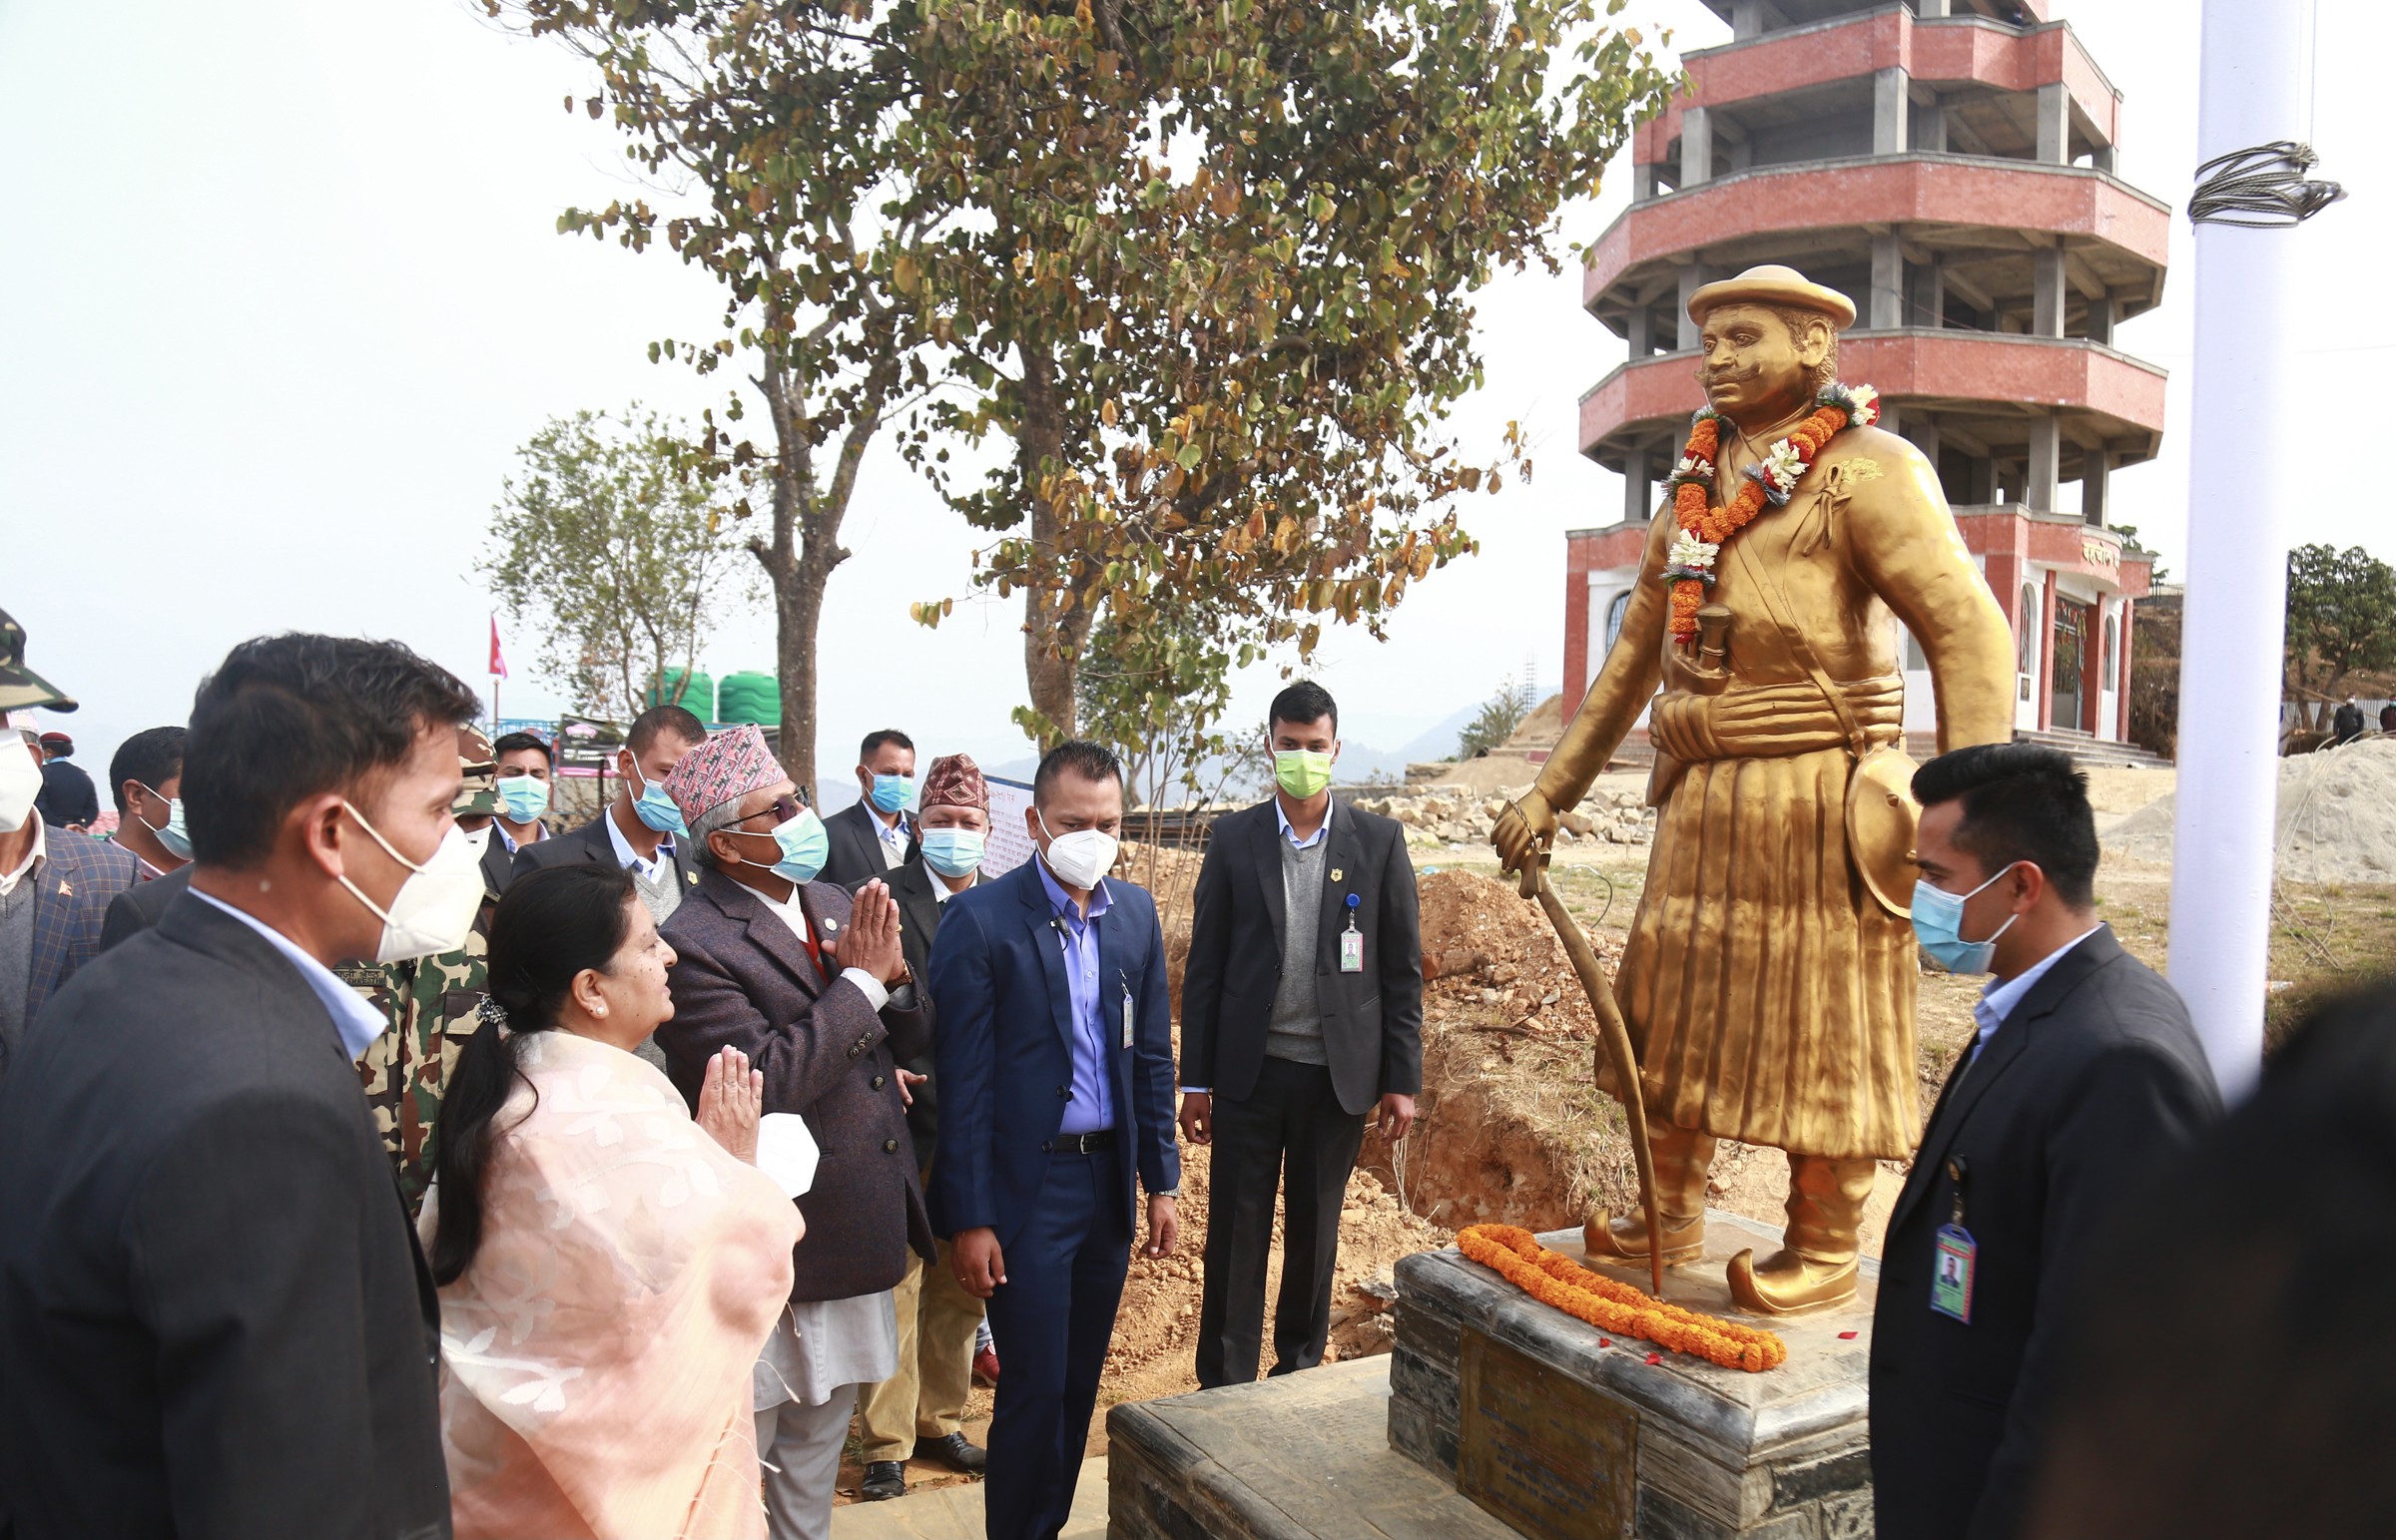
[[1541, 1451]]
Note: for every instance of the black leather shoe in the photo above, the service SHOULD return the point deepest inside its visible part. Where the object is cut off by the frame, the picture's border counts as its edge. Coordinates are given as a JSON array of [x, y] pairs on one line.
[[956, 1453], [884, 1478]]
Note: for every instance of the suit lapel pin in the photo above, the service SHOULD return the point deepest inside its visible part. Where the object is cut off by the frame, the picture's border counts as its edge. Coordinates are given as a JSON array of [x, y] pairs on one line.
[[63, 891], [690, 877], [830, 925], [1337, 875]]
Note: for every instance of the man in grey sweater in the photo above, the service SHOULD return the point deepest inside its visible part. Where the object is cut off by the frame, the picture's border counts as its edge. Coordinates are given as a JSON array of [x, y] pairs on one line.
[[1301, 1013]]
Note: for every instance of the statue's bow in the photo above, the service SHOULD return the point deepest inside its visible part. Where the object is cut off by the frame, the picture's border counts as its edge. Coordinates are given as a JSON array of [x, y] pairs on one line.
[[1614, 1040]]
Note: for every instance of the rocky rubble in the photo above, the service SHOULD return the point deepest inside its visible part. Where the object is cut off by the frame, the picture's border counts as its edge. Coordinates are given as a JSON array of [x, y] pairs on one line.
[[1437, 814]]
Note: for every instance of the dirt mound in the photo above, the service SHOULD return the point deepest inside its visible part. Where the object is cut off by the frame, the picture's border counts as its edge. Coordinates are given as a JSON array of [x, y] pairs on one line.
[[2336, 820], [1484, 946]]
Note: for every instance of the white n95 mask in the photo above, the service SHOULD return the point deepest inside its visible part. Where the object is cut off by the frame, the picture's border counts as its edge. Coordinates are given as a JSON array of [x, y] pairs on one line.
[[434, 908], [20, 782]]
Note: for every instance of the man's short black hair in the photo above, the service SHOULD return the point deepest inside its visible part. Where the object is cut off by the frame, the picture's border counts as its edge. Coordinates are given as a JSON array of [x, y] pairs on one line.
[[151, 756], [1076, 756], [2022, 802], [518, 742], [875, 741], [1303, 703], [287, 717], [657, 721]]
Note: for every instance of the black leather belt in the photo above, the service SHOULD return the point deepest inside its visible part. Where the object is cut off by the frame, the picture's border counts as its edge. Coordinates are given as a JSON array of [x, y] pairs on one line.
[[1081, 1143]]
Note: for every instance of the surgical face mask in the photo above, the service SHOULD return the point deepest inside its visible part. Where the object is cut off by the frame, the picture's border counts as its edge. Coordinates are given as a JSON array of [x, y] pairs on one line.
[[654, 808], [1938, 925], [804, 846], [20, 782], [953, 852], [172, 835], [1079, 858], [524, 798], [892, 792], [435, 907], [1301, 771]]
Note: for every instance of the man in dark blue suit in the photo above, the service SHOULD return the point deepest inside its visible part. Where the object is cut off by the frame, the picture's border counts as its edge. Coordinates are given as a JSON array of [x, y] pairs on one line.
[[1052, 1049]]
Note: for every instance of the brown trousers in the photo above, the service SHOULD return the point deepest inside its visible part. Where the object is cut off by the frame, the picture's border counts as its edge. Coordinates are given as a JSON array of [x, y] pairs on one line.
[[927, 1397]]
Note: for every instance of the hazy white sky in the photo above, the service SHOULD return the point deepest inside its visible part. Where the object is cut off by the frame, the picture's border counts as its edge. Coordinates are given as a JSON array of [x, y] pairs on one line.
[[282, 293]]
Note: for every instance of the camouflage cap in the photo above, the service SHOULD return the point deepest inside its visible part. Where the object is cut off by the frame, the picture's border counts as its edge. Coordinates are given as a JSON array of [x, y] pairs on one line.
[[480, 767], [20, 687]]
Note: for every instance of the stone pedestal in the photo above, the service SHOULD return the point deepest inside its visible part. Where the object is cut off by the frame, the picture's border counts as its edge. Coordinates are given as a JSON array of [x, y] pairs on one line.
[[1563, 1438]]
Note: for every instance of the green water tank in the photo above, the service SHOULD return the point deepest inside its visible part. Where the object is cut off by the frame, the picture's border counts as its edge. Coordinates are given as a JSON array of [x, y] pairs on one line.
[[698, 697], [751, 696]]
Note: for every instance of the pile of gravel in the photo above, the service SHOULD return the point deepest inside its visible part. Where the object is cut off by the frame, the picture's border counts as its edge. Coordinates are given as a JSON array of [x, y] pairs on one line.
[[2337, 818]]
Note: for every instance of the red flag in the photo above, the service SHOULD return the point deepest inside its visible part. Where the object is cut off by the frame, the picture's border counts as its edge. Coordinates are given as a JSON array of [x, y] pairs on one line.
[[498, 659]]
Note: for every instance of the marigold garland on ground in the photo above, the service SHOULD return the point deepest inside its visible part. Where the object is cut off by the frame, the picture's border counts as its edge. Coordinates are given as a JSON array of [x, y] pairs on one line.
[[1556, 1279]]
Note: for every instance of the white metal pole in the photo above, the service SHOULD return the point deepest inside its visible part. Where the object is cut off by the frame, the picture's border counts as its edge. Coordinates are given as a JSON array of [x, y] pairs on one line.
[[2251, 91]]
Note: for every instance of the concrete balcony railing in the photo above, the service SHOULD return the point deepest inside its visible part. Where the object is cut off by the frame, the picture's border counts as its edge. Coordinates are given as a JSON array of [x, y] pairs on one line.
[[1776, 203], [1997, 368], [1947, 53]]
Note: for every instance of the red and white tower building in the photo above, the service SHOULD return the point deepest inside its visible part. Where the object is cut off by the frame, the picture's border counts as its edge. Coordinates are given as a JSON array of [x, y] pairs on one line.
[[1949, 164]]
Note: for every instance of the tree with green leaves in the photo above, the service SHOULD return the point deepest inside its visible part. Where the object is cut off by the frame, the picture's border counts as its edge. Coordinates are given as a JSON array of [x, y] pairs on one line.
[[1495, 722], [1215, 295], [2341, 620], [617, 557], [769, 130]]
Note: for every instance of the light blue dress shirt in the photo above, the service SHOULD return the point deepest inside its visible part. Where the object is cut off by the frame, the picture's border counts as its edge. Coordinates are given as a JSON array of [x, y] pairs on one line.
[[1321, 834], [353, 1019], [1996, 1001], [1093, 1098]]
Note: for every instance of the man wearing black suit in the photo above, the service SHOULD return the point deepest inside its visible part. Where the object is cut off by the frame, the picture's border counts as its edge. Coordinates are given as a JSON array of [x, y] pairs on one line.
[[922, 1406], [876, 833], [639, 830], [1052, 1045], [2085, 1073], [214, 1316], [1301, 1012]]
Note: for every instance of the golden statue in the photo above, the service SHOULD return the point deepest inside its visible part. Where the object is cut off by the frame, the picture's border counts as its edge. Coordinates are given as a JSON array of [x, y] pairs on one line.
[[1769, 981]]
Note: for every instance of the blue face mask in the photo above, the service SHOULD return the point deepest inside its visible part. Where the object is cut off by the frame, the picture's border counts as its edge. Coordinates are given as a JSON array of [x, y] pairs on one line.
[[803, 847], [655, 809], [953, 852], [1938, 925], [892, 792], [170, 834], [524, 798]]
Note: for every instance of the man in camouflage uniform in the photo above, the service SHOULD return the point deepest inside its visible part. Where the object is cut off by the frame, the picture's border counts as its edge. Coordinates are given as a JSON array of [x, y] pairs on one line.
[[429, 1002]]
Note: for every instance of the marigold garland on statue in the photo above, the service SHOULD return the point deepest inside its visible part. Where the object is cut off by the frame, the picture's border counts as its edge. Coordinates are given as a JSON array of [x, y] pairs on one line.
[[1556, 1279], [1704, 530]]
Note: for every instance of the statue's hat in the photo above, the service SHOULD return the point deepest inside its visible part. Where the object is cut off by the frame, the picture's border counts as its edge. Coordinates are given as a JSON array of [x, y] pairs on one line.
[[1774, 285]]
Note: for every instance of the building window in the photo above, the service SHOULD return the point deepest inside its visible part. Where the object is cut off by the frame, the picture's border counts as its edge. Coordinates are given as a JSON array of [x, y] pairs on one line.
[[2032, 613], [2112, 678], [1614, 610]]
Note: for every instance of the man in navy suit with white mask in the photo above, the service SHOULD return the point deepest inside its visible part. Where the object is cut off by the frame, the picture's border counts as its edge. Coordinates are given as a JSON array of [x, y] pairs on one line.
[[1052, 1049]]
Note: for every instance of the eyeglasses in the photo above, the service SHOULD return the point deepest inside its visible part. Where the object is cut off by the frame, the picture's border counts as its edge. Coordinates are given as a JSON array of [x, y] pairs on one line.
[[784, 808]]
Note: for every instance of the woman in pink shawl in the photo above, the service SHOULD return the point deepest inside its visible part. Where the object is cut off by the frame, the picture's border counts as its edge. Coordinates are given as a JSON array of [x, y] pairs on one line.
[[609, 1268]]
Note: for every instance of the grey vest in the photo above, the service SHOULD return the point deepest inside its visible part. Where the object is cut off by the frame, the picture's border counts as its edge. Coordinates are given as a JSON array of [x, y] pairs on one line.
[[1296, 1030]]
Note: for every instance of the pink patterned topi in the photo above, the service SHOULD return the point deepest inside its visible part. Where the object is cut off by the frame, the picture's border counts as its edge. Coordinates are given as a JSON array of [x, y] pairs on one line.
[[725, 769]]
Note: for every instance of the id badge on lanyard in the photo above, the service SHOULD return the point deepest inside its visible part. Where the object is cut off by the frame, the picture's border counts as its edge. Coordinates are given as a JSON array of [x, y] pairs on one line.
[[1352, 942], [1954, 1254]]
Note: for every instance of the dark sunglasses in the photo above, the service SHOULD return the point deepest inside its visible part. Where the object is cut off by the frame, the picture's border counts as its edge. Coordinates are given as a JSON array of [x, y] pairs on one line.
[[784, 808]]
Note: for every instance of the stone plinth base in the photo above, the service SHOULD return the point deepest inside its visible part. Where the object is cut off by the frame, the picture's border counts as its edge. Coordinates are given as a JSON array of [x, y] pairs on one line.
[[1566, 1440], [1302, 1457]]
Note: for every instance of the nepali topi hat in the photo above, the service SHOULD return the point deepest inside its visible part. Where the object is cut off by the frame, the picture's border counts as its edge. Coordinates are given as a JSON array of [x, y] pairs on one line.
[[725, 769], [1773, 283], [954, 780], [20, 687]]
